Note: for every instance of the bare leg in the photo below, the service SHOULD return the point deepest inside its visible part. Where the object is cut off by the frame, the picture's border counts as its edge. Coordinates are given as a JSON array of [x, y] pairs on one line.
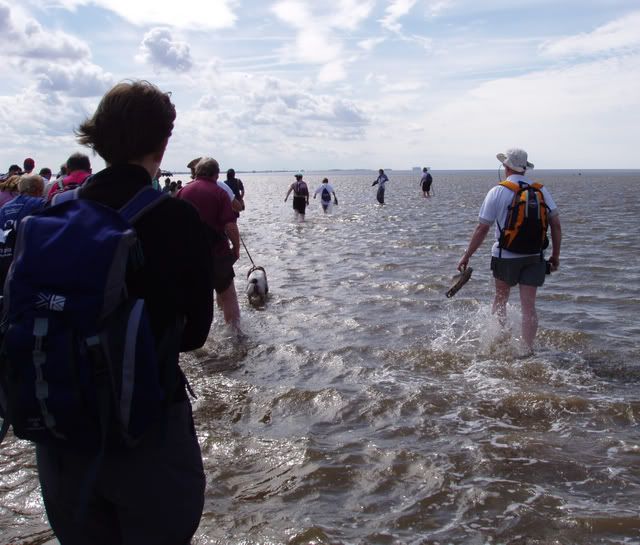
[[529, 314], [500, 301], [228, 300]]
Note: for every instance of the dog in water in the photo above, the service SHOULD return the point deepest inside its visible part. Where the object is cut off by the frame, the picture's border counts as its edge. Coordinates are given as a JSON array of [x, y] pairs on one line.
[[257, 287]]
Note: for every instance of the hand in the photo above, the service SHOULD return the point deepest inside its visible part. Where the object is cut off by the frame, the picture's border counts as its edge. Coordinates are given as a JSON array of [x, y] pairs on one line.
[[462, 264], [285, 199], [555, 263]]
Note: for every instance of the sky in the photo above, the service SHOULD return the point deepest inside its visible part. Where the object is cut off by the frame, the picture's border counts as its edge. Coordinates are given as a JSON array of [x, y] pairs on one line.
[[305, 84]]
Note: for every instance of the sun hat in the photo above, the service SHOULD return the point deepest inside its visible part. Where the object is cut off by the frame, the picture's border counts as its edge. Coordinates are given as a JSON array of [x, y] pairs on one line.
[[515, 159]]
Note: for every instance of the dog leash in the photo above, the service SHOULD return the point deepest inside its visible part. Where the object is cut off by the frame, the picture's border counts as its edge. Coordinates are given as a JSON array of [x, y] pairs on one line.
[[248, 254]]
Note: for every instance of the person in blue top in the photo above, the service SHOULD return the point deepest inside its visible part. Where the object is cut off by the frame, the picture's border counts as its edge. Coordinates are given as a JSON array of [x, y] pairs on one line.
[[380, 181], [28, 201]]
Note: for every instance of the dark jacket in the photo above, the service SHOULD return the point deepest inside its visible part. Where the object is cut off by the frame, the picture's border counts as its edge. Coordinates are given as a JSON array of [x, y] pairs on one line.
[[175, 278]]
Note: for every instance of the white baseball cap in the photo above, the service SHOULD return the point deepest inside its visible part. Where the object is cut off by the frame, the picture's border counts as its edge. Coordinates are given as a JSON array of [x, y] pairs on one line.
[[515, 159]]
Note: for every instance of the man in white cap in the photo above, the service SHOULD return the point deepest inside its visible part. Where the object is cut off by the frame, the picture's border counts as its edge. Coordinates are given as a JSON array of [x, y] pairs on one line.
[[520, 239]]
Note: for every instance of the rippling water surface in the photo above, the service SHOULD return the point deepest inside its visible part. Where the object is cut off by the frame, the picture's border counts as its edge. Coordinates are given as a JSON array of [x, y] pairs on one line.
[[366, 408]]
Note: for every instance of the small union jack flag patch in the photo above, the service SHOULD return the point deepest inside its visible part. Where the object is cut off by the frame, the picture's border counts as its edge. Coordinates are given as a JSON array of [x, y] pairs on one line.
[[51, 302]]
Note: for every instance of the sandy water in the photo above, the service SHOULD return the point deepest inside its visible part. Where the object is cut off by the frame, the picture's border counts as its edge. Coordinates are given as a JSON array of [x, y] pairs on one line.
[[366, 408]]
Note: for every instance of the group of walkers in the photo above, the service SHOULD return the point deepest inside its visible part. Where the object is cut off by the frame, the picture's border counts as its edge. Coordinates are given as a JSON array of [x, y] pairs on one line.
[[300, 191], [118, 472]]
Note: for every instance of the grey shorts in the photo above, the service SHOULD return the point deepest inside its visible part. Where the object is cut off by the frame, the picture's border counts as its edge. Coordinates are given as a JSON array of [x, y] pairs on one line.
[[529, 270]]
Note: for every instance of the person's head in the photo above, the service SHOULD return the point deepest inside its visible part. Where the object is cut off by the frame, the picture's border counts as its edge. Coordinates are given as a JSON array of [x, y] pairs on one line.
[[78, 161], [29, 164], [133, 123], [10, 184], [231, 174], [325, 180], [179, 183], [381, 171], [167, 181], [173, 186], [191, 165], [63, 170], [298, 177], [45, 173], [515, 161], [207, 167], [425, 169], [31, 184]]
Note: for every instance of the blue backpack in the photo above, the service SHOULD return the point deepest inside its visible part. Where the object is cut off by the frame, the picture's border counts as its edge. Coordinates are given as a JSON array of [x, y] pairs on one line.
[[79, 364]]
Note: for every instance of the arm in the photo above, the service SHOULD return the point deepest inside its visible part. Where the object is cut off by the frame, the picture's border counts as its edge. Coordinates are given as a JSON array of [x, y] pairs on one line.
[[231, 229], [476, 240], [237, 205], [556, 240], [287, 195]]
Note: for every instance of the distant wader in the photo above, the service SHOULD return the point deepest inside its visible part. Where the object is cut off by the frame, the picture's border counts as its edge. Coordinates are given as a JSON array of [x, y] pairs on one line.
[[380, 195], [299, 198]]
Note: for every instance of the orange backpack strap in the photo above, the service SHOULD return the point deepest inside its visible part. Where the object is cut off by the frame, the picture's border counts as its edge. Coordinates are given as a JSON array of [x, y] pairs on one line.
[[513, 186], [537, 186]]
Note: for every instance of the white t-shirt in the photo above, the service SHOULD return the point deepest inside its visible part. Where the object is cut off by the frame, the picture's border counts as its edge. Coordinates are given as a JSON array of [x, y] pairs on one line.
[[495, 208], [224, 186], [328, 187]]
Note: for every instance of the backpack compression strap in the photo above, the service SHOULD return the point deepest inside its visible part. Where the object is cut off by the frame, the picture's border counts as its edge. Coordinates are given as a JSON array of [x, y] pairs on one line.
[[515, 186], [65, 196]]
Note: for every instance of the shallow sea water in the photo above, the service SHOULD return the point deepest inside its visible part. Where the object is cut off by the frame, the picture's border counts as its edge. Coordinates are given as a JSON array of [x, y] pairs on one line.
[[364, 407]]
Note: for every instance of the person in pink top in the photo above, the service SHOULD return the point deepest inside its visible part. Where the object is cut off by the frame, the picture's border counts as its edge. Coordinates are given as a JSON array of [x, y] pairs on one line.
[[78, 170], [214, 206]]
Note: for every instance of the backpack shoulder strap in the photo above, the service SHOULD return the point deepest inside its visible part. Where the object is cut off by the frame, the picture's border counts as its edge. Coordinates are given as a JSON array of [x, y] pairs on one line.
[[65, 196], [143, 201], [513, 186], [537, 186]]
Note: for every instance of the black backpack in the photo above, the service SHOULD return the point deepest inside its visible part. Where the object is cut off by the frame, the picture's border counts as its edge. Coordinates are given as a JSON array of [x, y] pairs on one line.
[[326, 195]]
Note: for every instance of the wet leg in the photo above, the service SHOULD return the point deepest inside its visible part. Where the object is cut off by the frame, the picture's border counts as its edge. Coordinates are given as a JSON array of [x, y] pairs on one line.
[[529, 314]]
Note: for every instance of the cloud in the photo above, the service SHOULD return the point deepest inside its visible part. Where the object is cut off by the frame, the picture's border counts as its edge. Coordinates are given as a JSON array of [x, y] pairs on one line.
[[266, 114], [24, 37], [160, 50], [567, 116], [616, 36], [370, 44], [395, 11], [76, 80], [318, 27], [192, 14]]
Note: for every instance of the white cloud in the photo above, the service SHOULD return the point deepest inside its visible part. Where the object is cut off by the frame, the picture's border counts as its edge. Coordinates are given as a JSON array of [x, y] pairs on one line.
[[394, 12], [436, 8], [159, 49], [23, 37], [370, 44], [75, 80], [568, 116], [317, 29], [183, 14], [619, 35]]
